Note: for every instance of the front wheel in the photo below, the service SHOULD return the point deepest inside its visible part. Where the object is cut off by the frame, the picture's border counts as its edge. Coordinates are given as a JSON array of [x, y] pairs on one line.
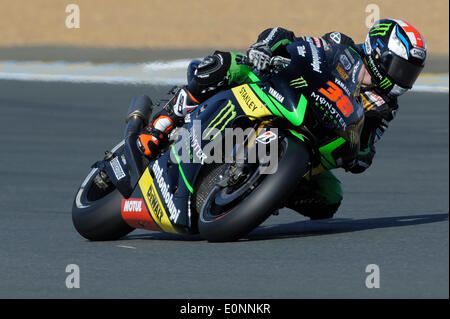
[[231, 210]]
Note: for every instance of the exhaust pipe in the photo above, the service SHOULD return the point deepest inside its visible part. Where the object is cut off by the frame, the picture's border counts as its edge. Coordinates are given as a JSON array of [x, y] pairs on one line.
[[139, 114]]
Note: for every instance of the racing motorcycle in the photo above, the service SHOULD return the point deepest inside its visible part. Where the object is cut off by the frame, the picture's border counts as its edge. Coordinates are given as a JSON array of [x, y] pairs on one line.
[[308, 114]]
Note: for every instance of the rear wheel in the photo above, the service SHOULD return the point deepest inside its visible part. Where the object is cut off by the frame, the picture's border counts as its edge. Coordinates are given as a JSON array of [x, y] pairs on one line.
[[96, 210], [233, 199]]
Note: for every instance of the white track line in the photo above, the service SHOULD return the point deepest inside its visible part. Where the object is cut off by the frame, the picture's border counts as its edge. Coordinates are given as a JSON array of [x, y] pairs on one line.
[[153, 73]]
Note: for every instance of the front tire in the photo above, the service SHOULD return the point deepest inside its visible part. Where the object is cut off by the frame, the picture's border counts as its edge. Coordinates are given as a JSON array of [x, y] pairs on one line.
[[258, 203]]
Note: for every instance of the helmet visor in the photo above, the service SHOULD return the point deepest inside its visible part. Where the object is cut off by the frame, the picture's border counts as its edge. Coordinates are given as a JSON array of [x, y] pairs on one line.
[[401, 71]]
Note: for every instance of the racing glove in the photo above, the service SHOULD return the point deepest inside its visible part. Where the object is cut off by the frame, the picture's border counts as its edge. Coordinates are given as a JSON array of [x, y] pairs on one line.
[[259, 55]]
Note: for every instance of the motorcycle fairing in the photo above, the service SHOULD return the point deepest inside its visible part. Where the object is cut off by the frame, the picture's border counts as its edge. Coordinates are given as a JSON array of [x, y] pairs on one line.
[[168, 183]]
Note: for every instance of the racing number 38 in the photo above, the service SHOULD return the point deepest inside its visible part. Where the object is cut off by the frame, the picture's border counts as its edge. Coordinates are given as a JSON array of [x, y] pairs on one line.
[[335, 94]]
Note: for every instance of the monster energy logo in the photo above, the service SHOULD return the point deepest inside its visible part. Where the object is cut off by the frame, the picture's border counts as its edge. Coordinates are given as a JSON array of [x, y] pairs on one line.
[[385, 83], [381, 29], [226, 114], [298, 82]]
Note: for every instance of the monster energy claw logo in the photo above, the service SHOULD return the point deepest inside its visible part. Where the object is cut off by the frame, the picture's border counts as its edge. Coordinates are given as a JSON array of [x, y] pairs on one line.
[[380, 29], [385, 83], [298, 82], [226, 114]]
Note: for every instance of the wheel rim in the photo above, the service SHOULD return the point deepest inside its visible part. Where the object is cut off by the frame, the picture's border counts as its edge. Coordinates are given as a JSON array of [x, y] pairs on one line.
[[223, 199]]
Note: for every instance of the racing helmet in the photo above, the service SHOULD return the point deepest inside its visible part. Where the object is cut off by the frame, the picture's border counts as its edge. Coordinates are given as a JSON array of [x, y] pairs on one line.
[[394, 54]]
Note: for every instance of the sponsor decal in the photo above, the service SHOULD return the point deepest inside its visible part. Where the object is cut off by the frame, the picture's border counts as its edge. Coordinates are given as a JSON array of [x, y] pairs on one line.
[[298, 82], [354, 71], [377, 50], [301, 50], [349, 55], [135, 214], [345, 62], [133, 206], [374, 69], [180, 103], [385, 83], [270, 35], [335, 94], [225, 115], [336, 37], [174, 212], [380, 29], [196, 147], [371, 99], [328, 107], [117, 169], [267, 137], [247, 99], [154, 204], [315, 57], [343, 86], [367, 46], [341, 71], [317, 42], [249, 102], [418, 53], [276, 95]]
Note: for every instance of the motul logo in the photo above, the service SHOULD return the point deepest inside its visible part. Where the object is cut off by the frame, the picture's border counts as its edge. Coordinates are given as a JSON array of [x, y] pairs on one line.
[[133, 206]]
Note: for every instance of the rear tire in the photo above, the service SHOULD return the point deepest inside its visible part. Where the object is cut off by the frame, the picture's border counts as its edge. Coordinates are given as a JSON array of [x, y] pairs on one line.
[[96, 213]]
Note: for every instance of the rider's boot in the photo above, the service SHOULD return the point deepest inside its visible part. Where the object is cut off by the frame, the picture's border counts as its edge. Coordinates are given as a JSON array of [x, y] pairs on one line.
[[155, 135]]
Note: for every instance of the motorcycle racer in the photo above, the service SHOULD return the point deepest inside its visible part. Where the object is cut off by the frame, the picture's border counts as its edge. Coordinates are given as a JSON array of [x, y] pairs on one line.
[[388, 63]]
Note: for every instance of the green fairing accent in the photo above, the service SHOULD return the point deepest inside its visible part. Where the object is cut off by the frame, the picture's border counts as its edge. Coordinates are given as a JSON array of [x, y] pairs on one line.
[[297, 135], [328, 187], [351, 48], [324, 186], [326, 151], [275, 107], [263, 97], [281, 42], [252, 76], [238, 73], [189, 187], [295, 117], [365, 151]]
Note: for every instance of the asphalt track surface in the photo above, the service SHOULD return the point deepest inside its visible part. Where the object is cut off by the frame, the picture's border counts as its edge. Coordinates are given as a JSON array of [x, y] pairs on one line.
[[395, 215]]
